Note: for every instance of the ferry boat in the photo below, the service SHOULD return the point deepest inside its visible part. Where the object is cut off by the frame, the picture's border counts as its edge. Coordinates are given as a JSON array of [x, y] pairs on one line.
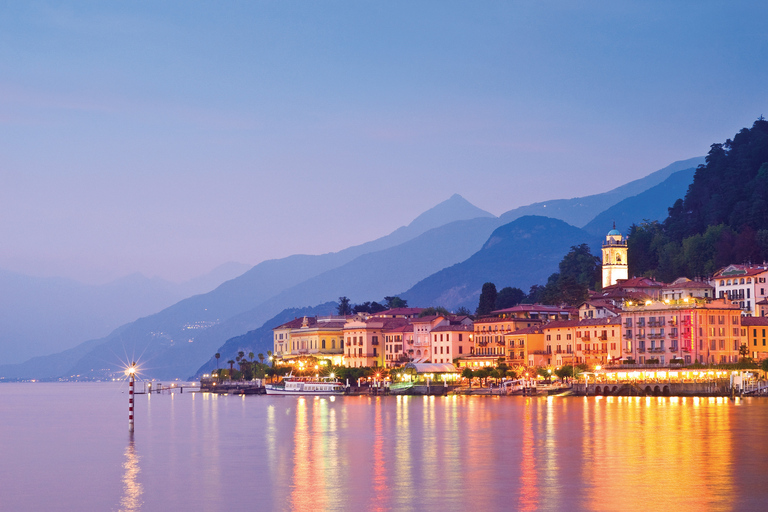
[[306, 386]]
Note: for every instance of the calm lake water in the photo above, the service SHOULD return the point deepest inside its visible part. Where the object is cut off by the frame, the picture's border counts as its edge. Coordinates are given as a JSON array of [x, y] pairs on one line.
[[66, 447]]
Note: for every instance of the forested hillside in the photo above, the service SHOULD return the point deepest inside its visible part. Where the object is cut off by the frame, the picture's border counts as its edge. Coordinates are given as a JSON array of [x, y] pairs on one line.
[[723, 218]]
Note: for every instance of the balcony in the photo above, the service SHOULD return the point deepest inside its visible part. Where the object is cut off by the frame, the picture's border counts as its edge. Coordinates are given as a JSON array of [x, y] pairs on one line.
[[641, 350], [603, 337], [628, 336]]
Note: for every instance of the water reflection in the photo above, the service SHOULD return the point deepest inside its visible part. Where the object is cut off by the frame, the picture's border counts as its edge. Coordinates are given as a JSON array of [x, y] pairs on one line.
[[132, 488]]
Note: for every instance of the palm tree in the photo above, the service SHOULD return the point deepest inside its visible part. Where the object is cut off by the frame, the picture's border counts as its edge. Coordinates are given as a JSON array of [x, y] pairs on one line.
[[250, 356], [261, 358], [217, 356], [231, 364]]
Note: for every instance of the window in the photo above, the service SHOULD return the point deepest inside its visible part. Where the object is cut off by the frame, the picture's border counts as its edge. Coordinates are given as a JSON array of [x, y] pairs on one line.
[[460, 337], [461, 347], [323, 343]]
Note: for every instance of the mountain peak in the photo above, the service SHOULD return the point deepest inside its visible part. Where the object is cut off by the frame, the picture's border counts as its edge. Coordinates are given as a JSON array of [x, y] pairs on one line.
[[452, 209]]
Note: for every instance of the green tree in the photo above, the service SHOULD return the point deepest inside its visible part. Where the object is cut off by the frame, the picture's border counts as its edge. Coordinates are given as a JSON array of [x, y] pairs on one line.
[[509, 297], [344, 308], [395, 302], [217, 356], [434, 311], [231, 364], [463, 311], [487, 301]]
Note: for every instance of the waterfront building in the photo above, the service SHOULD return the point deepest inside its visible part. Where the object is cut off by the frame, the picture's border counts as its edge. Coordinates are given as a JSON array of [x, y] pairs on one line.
[[615, 267], [319, 337], [452, 341], [524, 343], [598, 341], [396, 342], [683, 287], [422, 338], [693, 330], [491, 331], [754, 331], [364, 339], [744, 285], [559, 339]]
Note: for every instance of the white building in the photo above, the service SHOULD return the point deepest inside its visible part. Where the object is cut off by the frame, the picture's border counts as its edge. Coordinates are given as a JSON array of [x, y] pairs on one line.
[[744, 285]]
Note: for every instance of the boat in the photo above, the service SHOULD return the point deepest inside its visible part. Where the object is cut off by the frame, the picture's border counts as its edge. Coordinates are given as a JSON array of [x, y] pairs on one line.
[[401, 388], [306, 386]]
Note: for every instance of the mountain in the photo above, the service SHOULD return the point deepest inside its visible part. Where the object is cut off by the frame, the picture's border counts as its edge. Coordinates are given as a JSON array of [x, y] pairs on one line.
[[40, 315], [175, 346], [653, 204], [260, 340], [521, 253], [580, 210], [179, 337]]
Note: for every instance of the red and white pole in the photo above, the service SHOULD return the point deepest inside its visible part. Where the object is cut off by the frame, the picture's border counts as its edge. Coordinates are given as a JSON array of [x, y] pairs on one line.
[[131, 380]]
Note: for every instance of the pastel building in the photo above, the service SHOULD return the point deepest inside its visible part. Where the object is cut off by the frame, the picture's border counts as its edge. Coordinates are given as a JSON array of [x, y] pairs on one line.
[[598, 341], [320, 337], [451, 342], [744, 285], [559, 341], [691, 330], [523, 344], [364, 340], [754, 331]]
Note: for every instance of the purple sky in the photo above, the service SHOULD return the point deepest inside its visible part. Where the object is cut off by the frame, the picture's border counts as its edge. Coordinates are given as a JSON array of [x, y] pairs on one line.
[[167, 138]]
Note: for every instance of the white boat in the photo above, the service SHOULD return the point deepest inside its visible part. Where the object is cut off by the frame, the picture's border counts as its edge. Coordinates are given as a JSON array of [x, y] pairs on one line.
[[306, 386]]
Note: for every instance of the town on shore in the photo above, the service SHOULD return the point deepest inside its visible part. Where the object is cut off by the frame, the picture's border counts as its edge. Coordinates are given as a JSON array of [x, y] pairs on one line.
[[633, 330]]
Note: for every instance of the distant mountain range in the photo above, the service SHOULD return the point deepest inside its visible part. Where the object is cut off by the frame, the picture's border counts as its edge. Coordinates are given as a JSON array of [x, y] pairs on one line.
[[580, 210], [43, 315], [441, 258], [522, 253]]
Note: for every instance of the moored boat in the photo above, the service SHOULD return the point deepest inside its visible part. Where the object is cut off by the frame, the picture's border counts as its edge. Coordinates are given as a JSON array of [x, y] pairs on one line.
[[306, 386]]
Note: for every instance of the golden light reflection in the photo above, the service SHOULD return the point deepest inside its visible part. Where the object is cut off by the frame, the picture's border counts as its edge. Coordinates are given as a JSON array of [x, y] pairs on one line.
[[529, 485], [132, 488], [663, 441], [380, 498]]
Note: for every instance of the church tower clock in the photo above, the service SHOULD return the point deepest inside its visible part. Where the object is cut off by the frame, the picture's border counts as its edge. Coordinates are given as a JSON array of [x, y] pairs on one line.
[[614, 258]]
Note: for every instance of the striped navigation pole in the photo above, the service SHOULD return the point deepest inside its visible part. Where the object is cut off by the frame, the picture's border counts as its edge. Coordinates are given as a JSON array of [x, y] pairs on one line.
[[131, 379]]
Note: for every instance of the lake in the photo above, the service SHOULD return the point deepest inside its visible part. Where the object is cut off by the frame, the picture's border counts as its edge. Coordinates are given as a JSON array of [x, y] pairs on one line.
[[66, 446]]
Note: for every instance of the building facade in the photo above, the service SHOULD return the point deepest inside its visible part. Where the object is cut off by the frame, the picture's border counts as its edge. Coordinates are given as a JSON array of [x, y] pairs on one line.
[[690, 330]]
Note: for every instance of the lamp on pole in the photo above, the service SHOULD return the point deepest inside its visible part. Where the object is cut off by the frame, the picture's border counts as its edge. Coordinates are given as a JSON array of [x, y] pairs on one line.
[[131, 371]]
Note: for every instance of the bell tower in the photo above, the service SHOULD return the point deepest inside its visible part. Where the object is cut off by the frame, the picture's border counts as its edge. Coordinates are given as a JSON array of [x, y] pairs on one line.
[[614, 258]]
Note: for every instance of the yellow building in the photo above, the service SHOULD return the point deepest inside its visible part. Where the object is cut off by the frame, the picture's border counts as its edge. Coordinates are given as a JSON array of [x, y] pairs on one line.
[[523, 343], [320, 337], [754, 332]]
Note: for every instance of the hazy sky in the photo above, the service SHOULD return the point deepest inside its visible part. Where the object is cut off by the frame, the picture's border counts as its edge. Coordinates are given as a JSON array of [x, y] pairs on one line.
[[169, 137]]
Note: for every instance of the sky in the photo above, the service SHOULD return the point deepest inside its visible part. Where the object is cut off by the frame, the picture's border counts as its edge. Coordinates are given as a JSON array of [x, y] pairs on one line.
[[167, 138]]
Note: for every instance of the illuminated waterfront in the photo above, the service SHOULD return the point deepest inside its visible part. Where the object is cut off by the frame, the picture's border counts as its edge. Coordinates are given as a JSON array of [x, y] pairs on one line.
[[66, 447]]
